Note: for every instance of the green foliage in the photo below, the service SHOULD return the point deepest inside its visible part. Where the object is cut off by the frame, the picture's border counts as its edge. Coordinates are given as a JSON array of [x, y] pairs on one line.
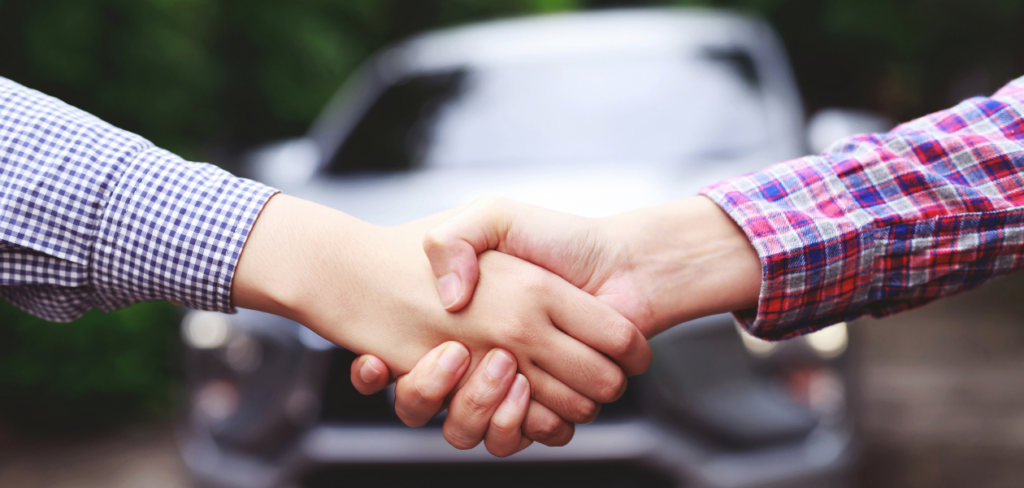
[[904, 58], [99, 371], [189, 74]]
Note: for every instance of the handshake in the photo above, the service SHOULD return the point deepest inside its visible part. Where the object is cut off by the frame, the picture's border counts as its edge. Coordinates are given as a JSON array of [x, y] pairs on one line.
[[521, 321]]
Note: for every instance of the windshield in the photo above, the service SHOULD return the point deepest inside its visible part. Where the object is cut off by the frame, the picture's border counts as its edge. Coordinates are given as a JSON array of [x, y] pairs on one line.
[[583, 111]]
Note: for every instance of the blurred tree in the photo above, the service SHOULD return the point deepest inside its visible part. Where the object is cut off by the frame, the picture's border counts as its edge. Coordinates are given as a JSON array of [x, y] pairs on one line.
[[189, 74], [196, 74], [101, 371], [904, 58]]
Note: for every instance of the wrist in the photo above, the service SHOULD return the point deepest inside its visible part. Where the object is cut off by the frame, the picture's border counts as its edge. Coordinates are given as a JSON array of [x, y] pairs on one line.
[[366, 288], [692, 260], [294, 255]]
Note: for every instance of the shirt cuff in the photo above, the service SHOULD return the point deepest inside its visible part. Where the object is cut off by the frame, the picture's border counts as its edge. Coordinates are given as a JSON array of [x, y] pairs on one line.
[[173, 230], [816, 258]]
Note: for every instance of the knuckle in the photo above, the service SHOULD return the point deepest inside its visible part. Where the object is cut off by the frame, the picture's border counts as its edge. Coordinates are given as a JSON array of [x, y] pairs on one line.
[[406, 394], [551, 431], [611, 386], [410, 416], [474, 404], [502, 448], [623, 339], [459, 439], [535, 283], [503, 428], [546, 429], [584, 411], [434, 239], [517, 333], [423, 390]]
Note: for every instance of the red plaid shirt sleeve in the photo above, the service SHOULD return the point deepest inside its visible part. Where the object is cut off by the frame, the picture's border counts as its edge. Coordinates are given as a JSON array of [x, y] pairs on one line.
[[882, 223]]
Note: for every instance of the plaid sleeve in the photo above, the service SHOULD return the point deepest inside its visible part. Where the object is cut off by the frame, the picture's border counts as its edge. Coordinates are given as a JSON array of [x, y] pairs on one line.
[[886, 222], [92, 216]]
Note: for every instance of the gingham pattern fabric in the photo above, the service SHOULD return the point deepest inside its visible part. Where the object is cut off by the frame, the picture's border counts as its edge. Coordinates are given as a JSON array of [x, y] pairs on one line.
[[886, 222], [92, 216]]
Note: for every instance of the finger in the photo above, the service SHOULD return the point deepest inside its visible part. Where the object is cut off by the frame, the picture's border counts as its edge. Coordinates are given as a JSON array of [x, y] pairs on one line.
[[452, 248], [580, 368], [472, 407], [420, 395], [546, 427], [559, 242], [370, 374], [505, 434], [567, 403], [598, 325]]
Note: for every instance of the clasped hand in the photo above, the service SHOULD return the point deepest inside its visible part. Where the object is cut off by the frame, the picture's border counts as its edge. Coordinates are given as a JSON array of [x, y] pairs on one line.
[[521, 321]]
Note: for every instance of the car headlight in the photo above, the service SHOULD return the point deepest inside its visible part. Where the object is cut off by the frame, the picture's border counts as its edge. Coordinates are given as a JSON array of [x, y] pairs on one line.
[[205, 330], [829, 342], [216, 401], [755, 346], [249, 378]]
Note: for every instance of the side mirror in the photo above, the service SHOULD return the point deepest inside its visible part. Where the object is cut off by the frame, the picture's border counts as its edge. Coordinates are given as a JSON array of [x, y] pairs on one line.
[[284, 163], [832, 124]]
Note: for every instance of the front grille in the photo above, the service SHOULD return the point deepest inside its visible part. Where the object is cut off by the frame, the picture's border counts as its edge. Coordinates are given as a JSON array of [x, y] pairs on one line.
[[504, 475], [343, 404]]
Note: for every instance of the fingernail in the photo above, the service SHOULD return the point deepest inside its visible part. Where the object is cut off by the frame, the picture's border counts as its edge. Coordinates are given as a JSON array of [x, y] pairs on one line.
[[368, 373], [450, 287], [518, 388], [452, 357], [499, 365]]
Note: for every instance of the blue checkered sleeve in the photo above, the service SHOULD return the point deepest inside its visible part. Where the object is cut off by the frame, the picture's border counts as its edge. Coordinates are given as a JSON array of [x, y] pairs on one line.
[[92, 216]]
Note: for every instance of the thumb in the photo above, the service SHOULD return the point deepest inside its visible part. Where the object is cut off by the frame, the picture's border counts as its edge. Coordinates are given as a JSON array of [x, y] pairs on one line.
[[452, 247], [369, 374]]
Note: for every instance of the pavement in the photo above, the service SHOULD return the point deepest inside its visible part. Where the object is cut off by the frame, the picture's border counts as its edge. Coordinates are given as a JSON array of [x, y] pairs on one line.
[[941, 404], [139, 457], [942, 393]]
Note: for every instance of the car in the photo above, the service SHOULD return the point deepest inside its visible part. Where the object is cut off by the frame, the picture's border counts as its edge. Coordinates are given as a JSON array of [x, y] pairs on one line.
[[590, 113]]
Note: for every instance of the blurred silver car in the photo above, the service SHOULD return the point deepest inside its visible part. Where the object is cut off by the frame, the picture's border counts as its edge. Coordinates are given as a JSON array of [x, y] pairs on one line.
[[593, 114]]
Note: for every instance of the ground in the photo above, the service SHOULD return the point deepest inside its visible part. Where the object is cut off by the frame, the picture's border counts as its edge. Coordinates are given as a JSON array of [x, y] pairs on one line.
[[942, 395], [941, 405]]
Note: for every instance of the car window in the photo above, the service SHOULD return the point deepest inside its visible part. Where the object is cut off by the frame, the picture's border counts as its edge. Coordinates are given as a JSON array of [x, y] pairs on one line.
[[397, 129], [655, 108]]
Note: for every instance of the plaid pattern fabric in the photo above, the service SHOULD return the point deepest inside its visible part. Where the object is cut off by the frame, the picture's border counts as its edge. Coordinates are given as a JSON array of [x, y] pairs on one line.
[[92, 216], [886, 222]]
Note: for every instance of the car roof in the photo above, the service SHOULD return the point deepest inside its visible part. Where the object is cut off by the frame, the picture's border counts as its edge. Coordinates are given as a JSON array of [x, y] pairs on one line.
[[667, 33], [625, 32]]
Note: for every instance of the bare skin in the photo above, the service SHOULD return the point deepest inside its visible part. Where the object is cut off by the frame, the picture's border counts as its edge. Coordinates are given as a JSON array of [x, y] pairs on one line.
[[658, 266], [370, 289]]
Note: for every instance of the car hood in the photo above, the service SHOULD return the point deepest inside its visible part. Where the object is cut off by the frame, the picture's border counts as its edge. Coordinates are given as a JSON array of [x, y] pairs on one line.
[[591, 190]]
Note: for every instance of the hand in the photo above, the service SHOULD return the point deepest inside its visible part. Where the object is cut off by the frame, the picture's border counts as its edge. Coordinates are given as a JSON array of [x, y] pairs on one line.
[[496, 410], [657, 266], [370, 289]]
